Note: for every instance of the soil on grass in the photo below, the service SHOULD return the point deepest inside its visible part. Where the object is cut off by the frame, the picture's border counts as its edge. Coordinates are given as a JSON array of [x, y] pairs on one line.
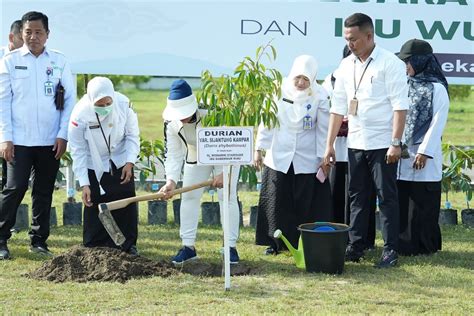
[[81, 264], [206, 269]]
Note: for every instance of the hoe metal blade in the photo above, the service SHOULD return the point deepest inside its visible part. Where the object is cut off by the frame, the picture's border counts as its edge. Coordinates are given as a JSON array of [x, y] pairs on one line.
[[110, 225]]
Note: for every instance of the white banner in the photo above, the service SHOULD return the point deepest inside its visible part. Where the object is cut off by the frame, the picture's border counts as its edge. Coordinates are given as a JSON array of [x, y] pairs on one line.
[[182, 38]]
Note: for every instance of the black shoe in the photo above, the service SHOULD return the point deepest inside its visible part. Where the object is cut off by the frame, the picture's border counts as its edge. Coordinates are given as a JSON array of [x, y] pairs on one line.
[[270, 251], [184, 254], [234, 256], [352, 254], [133, 251], [41, 249], [4, 252], [389, 259]]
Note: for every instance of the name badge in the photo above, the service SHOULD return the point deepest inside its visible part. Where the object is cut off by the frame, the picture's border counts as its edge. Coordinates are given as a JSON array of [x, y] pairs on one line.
[[307, 122], [93, 126], [353, 106], [48, 89]]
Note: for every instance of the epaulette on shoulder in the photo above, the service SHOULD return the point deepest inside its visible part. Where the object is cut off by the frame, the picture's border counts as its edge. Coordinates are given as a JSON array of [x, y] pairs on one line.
[[56, 51], [11, 52]]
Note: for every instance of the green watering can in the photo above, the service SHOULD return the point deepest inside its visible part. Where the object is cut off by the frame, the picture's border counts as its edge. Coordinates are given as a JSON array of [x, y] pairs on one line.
[[298, 254]]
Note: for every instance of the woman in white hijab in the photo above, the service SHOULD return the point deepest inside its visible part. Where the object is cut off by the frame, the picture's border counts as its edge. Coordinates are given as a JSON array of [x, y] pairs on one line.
[[294, 188], [104, 145]]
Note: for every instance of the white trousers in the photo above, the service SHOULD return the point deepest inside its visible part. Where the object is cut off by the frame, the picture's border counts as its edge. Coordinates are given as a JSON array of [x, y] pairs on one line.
[[190, 203]]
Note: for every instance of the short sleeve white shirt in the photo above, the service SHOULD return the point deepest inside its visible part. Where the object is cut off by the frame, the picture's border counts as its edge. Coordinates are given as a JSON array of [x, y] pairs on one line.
[[382, 90]]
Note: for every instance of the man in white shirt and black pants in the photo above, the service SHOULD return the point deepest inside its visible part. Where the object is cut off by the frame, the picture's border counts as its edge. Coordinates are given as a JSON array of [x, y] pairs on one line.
[[33, 127], [14, 41], [372, 90]]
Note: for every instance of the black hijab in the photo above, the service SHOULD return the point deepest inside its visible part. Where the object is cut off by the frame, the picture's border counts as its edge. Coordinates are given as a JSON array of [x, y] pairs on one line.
[[427, 71]]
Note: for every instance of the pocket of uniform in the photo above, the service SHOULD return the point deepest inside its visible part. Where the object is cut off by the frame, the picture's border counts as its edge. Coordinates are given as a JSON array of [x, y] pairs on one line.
[[20, 73], [376, 81]]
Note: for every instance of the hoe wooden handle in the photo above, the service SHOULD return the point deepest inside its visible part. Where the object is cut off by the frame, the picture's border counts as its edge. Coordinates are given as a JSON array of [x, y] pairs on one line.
[[114, 205]]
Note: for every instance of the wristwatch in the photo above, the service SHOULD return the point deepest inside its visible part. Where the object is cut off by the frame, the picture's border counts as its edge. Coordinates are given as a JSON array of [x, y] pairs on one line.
[[395, 142]]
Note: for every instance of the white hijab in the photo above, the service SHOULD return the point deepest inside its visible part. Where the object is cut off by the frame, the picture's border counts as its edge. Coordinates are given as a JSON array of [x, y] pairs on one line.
[[292, 114], [98, 88], [101, 87]]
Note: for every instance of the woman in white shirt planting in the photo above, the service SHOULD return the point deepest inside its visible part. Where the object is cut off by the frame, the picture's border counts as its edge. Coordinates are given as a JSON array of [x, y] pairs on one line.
[[291, 193]]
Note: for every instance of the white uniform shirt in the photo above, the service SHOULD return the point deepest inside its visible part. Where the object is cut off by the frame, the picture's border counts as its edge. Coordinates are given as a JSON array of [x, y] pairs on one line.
[[431, 145], [28, 116], [303, 148], [124, 147], [383, 89]]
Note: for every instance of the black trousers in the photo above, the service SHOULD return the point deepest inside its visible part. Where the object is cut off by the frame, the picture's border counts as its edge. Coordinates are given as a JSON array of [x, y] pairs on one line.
[[43, 167], [288, 200], [4, 172], [419, 214], [367, 167], [339, 180], [94, 233]]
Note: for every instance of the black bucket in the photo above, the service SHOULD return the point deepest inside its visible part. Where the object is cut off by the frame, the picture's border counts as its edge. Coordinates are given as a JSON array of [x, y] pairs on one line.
[[324, 246]]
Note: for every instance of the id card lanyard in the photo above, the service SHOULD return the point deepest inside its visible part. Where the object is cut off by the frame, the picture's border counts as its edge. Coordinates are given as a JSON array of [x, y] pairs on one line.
[[48, 85], [354, 102], [107, 143], [307, 120]]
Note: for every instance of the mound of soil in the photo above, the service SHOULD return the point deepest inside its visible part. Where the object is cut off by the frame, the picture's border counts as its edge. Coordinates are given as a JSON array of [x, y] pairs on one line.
[[81, 264]]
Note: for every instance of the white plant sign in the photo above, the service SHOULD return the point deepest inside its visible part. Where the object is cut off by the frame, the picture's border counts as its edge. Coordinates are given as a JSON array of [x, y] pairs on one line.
[[225, 145]]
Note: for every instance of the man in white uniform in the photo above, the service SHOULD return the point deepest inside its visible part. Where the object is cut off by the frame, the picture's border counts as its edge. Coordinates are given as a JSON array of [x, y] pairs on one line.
[[34, 119]]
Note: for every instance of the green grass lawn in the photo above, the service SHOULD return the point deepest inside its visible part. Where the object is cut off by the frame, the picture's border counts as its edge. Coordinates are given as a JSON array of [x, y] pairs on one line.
[[437, 284]]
